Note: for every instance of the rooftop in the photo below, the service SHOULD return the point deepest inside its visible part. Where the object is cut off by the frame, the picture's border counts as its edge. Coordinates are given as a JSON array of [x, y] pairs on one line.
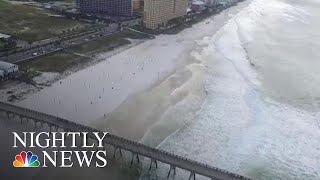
[[4, 36], [5, 65], [198, 3]]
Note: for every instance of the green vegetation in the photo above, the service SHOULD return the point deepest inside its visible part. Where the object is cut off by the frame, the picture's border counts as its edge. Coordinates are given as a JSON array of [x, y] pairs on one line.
[[106, 43], [31, 24], [63, 60], [103, 44], [6, 45], [2, 44], [57, 62]]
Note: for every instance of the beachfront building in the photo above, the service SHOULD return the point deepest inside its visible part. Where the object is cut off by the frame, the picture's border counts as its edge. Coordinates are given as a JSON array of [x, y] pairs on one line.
[[211, 3], [198, 6], [157, 13], [8, 68], [109, 7], [4, 37], [138, 6]]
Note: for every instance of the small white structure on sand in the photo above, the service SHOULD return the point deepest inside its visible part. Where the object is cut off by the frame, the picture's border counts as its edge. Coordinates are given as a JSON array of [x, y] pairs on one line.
[[8, 68]]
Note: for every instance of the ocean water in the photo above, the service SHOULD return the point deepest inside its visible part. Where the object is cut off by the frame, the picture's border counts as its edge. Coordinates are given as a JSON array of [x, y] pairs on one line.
[[261, 115]]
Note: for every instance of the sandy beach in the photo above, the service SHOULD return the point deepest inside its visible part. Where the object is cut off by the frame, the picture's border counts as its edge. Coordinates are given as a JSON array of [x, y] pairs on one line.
[[165, 69], [238, 91], [17, 91], [133, 93]]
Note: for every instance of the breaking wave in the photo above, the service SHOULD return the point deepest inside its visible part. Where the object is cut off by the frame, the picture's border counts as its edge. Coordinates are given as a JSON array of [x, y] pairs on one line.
[[238, 128]]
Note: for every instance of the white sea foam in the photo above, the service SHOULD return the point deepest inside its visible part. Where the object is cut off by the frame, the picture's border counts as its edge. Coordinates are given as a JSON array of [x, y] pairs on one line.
[[239, 129]]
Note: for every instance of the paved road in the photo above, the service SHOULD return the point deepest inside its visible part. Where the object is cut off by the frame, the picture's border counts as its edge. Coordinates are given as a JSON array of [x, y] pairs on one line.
[[52, 45]]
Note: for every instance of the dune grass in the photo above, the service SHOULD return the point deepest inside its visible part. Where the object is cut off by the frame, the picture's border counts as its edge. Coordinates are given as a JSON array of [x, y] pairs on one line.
[[31, 24], [64, 60]]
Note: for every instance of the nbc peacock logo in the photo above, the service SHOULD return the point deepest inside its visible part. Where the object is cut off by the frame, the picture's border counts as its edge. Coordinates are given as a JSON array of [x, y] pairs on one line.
[[26, 160]]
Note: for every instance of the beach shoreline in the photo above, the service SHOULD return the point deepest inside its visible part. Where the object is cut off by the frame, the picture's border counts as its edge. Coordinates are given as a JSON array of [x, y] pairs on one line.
[[147, 116], [154, 83], [176, 76], [159, 82]]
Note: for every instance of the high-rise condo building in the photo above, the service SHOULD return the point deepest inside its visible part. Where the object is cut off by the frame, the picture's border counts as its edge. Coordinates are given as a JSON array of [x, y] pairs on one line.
[[110, 7], [159, 12], [138, 6]]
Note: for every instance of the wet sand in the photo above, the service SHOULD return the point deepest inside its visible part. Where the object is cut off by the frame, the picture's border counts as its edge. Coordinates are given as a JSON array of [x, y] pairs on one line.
[[142, 101], [131, 93], [152, 115]]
